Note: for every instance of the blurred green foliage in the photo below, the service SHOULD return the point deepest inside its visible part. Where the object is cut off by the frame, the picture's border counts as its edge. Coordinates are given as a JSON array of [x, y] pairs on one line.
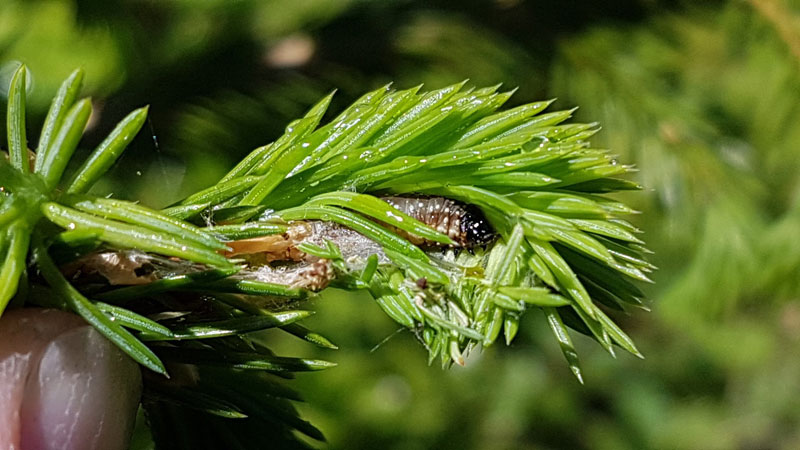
[[704, 98]]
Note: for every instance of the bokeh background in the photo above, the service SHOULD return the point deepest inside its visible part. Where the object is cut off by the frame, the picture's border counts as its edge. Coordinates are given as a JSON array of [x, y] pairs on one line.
[[704, 97]]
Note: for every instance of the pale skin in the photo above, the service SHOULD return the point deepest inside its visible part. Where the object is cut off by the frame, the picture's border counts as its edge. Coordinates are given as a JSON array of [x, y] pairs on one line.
[[63, 385]]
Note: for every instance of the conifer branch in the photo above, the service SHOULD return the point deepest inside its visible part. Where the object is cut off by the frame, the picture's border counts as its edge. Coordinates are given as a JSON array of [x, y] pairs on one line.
[[512, 215]]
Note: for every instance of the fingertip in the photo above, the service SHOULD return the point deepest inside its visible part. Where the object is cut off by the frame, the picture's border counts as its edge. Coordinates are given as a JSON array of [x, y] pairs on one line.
[[83, 395]]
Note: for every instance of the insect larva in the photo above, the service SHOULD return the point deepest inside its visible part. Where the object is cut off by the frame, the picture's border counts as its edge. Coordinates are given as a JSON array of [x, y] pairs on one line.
[[465, 224]]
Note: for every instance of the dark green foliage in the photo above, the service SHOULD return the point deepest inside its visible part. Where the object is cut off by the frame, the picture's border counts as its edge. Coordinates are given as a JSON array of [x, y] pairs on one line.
[[701, 96], [41, 214], [535, 178]]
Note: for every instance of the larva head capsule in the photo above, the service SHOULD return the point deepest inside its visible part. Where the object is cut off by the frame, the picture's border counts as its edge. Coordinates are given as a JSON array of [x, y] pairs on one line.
[[476, 228]]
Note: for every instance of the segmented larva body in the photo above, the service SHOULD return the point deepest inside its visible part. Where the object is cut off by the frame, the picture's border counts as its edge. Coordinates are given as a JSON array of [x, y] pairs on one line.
[[464, 224]]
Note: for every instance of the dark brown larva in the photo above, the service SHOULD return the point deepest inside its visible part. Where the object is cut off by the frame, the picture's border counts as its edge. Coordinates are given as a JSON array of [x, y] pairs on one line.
[[465, 224]]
